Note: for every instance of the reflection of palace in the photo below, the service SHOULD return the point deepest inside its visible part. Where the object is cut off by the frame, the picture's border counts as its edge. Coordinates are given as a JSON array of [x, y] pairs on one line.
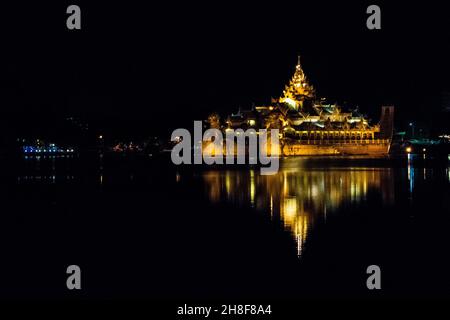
[[297, 197]]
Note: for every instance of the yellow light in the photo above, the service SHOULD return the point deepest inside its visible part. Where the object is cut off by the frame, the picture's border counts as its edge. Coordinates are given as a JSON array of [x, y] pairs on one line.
[[251, 122], [290, 102], [290, 210], [408, 149], [212, 150]]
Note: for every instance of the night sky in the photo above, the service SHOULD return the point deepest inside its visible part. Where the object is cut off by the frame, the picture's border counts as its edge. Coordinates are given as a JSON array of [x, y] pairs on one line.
[[142, 68]]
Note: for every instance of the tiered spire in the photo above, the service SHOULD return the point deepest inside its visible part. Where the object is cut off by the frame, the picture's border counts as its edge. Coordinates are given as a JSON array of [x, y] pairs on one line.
[[298, 88], [299, 78]]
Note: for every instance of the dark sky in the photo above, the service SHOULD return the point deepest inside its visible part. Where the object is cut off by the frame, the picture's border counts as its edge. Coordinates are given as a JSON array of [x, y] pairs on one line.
[[140, 66]]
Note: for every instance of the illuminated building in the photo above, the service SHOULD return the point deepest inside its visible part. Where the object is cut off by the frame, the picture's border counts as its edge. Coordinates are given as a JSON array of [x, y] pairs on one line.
[[311, 126], [45, 148]]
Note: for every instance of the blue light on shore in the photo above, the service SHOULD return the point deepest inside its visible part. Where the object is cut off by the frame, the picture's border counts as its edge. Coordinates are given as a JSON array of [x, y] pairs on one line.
[[52, 148]]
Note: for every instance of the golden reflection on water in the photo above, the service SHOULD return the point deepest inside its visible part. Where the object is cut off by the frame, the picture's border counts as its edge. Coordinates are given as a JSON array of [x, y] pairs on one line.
[[298, 198]]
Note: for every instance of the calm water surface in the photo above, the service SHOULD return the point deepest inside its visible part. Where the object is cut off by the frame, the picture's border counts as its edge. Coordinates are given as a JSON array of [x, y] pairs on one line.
[[141, 229]]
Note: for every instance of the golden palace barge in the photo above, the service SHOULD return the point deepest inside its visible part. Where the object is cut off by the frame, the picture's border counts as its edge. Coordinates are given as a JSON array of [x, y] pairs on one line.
[[311, 126]]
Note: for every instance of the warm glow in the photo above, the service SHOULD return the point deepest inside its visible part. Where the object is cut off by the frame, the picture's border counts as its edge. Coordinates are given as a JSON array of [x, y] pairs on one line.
[[291, 102], [294, 195], [212, 150]]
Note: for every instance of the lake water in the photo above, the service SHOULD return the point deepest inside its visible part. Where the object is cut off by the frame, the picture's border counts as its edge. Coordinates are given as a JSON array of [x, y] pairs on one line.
[[140, 228]]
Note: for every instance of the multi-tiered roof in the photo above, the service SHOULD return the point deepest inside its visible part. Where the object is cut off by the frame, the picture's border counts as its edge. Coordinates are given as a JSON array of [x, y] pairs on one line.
[[299, 109]]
